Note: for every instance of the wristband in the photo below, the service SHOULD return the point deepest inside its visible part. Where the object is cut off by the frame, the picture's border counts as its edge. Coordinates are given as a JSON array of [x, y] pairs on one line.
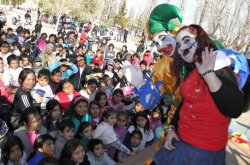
[[205, 73], [169, 128]]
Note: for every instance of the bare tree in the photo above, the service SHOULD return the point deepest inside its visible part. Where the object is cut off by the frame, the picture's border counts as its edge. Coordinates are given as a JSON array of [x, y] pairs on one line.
[[227, 21], [82, 8], [144, 16]]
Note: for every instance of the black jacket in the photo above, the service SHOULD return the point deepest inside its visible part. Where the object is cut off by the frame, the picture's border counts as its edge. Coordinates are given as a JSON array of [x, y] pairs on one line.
[[22, 101], [76, 79]]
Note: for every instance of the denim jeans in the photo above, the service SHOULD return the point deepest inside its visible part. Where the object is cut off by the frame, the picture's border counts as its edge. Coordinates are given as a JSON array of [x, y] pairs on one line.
[[186, 154]]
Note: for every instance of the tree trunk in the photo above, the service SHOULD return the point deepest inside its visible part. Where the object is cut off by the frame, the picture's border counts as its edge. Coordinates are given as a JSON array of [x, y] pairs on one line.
[[204, 9], [57, 22]]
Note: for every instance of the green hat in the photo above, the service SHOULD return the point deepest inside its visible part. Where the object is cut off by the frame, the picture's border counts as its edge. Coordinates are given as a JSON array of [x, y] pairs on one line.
[[217, 43], [38, 59], [161, 16]]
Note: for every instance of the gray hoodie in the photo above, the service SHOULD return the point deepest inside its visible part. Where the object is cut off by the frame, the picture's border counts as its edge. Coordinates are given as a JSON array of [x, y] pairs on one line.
[[104, 160], [60, 142]]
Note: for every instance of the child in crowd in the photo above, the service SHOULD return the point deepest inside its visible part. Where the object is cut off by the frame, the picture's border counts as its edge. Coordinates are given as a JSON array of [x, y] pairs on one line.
[[89, 56], [37, 65], [120, 130], [103, 86], [102, 99], [136, 59], [42, 92], [119, 55], [89, 90], [117, 68], [95, 112], [130, 118], [73, 154], [108, 80], [141, 122], [84, 134], [10, 75], [34, 38], [52, 118], [12, 151], [32, 128], [78, 111], [26, 47], [6, 94], [150, 69], [61, 54], [25, 61], [148, 58], [21, 37], [128, 57], [106, 133], [133, 145], [44, 147], [120, 126], [155, 122], [66, 95], [66, 128], [145, 72], [109, 69], [67, 68], [116, 100], [110, 53], [16, 48], [55, 81], [164, 106], [98, 58], [96, 154]]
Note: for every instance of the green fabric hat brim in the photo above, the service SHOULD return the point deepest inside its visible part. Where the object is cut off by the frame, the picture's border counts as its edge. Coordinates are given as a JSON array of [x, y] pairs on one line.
[[161, 16], [217, 43]]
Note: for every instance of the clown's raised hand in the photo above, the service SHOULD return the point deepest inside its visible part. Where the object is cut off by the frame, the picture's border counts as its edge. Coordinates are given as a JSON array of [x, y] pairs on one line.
[[133, 74]]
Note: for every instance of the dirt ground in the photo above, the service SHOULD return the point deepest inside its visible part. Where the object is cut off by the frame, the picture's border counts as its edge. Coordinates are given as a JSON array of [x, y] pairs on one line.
[[236, 155]]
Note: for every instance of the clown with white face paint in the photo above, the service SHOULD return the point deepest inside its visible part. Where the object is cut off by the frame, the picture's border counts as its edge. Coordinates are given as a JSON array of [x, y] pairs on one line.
[[186, 45], [161, 31], [210, 97], [165, 43]]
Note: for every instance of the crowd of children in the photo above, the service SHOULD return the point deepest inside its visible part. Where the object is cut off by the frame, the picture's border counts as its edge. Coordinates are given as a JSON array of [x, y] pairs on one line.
[[64, 102]]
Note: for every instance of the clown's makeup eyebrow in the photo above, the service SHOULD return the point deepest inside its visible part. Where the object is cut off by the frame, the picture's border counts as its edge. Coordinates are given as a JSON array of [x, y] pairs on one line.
[[161, 35], [185, 37]]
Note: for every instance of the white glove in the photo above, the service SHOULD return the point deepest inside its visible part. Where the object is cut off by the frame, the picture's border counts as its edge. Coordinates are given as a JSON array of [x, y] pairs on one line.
[[133, 74], [221, 60]]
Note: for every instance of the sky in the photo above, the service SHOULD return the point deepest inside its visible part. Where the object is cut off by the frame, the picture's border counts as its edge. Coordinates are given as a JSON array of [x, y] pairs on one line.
[[188, 13]]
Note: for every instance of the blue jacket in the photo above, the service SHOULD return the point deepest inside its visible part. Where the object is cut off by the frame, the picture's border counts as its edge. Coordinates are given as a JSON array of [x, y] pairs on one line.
[[77, 122], [72, 69], [36, 158]]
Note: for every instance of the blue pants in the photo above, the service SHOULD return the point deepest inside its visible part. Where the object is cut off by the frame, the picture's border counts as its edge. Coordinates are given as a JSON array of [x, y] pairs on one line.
[[186, 154]]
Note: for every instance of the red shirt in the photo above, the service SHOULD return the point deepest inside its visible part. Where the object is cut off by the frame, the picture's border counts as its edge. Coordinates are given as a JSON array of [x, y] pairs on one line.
[[64, 99], [83, 38], [201, 124], [98, 61]]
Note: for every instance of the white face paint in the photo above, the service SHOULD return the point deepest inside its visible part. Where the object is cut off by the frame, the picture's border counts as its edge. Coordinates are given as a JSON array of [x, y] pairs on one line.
[[165, 43], [186, 45]]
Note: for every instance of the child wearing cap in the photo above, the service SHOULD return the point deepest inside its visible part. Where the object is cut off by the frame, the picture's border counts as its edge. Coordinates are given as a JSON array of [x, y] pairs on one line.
[[37, 65], [111, 73]]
